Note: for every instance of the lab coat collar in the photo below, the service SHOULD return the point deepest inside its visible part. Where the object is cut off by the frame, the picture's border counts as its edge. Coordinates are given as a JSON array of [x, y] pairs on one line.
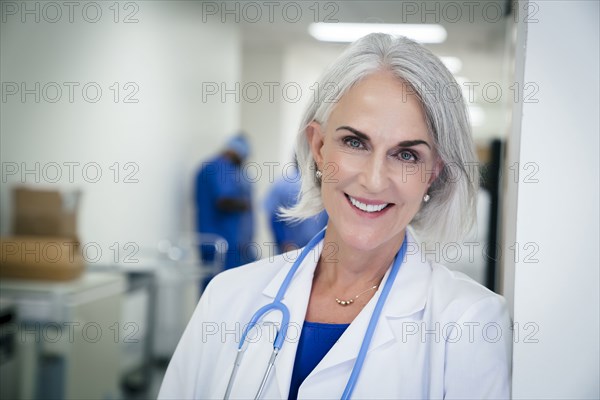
[[407, 297]]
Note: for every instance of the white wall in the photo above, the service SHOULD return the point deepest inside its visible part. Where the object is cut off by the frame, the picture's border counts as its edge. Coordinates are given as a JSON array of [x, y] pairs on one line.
[[168, 54], [272, 119], [303, 65], [557, 354], [261, 115]]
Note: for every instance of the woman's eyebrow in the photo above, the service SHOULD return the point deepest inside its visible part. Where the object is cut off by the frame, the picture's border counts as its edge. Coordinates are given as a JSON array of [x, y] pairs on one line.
[[358, 133], [364, 136], [409, 143]]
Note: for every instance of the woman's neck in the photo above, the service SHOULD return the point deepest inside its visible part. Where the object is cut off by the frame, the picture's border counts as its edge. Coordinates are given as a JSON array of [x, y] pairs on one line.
[[345, 267]]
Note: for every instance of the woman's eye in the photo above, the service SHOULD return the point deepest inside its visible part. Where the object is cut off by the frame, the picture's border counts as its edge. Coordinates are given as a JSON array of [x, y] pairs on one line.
[[353, 142], [407, 156]]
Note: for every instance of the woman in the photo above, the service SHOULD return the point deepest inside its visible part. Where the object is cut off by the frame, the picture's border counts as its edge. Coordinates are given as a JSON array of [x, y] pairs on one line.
[[389, 152]]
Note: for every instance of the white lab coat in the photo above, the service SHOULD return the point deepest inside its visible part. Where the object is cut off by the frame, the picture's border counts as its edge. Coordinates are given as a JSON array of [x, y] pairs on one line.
[[440, 335]]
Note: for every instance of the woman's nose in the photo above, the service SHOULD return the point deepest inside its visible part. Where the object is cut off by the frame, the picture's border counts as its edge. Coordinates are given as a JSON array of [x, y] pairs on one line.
[[374, 175]]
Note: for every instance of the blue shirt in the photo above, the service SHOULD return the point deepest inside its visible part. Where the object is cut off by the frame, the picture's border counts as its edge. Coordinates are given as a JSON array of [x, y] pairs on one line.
[[220, 178], [316, 340], [284, 193]]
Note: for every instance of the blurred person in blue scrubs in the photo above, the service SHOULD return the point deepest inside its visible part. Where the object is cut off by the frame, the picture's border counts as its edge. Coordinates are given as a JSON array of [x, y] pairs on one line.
[[284, 195], [223, 198]]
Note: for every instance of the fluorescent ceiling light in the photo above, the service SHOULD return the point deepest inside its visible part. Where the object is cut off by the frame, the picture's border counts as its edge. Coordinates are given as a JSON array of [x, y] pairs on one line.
[[349, 32], [454, 64]]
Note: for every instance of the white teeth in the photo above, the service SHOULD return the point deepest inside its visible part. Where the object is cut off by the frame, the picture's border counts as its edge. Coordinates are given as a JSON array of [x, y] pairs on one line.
[[367, 207]]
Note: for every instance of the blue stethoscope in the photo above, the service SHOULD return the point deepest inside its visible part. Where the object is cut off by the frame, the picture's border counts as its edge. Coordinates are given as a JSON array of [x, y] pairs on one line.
[[285, 321]]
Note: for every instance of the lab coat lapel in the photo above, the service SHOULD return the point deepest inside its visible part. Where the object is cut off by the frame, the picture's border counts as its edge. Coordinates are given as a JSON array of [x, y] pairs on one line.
[[296, 299], [407, 297]]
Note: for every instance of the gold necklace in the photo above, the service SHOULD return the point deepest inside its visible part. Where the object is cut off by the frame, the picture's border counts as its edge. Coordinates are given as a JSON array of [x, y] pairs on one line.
[[348, 302]]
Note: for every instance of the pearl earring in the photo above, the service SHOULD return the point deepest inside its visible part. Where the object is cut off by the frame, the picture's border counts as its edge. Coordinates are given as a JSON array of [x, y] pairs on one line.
[[426, 197], [318, 175]]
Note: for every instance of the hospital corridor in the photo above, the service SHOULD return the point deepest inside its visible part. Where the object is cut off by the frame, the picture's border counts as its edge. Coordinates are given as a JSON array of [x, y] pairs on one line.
[[299, 199]]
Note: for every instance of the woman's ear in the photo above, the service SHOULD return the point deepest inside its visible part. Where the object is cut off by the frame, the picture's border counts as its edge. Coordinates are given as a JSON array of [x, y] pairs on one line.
[[314, 135], [437, 170]]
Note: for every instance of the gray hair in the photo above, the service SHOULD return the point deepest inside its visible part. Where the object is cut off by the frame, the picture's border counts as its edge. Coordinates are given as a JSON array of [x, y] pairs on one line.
[[451, 212]]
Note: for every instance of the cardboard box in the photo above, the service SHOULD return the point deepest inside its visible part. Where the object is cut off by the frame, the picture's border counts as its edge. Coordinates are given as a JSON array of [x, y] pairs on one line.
[[40, 257], [45, 244], [45, 213]]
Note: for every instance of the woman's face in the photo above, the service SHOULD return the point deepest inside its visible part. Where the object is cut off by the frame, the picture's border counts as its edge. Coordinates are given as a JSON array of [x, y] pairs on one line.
[[377, 159]]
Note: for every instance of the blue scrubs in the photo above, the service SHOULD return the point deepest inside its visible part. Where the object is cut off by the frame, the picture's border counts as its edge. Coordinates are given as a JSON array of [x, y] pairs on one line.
[[218, 179], [284, 193], [316, 340]]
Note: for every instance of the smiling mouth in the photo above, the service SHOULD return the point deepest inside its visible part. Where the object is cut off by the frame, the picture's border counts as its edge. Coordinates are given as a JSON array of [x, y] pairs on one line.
[[368, 208]]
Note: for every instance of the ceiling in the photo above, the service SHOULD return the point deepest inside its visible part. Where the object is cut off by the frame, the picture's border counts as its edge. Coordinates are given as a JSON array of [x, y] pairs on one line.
[[477, 33]]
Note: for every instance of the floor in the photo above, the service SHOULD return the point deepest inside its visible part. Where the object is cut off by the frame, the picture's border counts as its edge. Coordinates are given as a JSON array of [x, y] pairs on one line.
[[134, 391]]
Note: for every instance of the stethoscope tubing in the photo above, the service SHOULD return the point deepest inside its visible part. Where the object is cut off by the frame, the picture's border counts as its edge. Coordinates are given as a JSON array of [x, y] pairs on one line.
[[277, 305], [364, 348]]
